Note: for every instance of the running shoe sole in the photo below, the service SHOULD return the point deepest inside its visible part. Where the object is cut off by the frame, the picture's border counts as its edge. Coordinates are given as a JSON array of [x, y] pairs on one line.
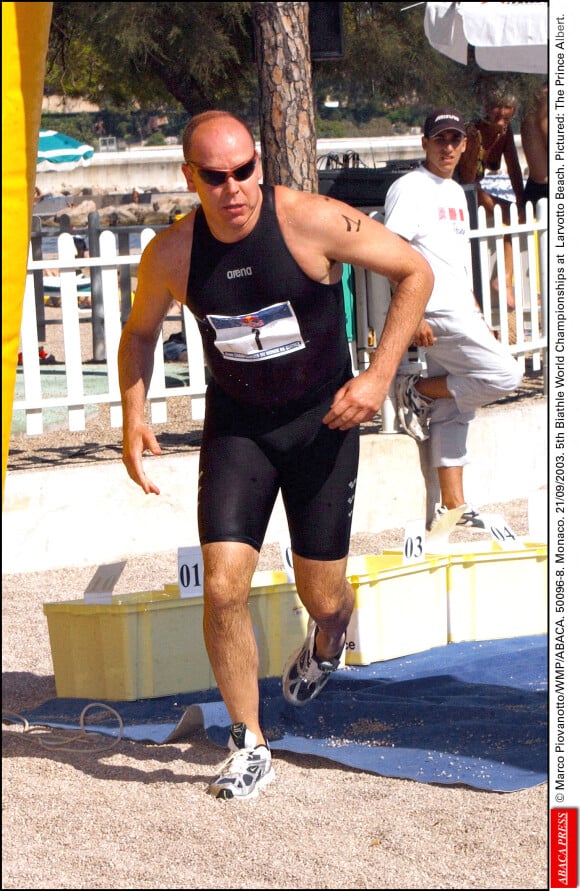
[[304, 677], [406, 414]]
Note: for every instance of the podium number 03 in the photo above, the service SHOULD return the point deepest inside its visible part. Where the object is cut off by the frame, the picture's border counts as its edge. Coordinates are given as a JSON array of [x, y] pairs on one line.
[[413, 541]]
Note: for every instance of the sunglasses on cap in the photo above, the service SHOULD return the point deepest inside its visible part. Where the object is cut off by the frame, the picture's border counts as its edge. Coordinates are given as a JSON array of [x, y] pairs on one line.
[[219, 177]]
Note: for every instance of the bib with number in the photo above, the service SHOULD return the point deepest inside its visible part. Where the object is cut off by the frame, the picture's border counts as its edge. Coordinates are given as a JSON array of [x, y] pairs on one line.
[[257, 336]]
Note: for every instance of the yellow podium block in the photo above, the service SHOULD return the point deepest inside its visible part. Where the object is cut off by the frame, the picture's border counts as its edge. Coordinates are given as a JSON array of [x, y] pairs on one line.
[[150, 643], [494, 593], [400, 608]]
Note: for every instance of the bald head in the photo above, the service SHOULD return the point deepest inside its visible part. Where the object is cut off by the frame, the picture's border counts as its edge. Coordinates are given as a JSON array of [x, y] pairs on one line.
[[214, 122]]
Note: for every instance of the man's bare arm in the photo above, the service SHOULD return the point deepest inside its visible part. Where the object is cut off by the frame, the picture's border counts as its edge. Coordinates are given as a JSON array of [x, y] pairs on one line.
[[136, 356]]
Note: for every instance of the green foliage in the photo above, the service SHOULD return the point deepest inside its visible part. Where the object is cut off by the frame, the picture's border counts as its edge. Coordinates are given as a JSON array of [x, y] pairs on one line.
[[387, 60], [156, 138], [390, 68], [176, 59], [129, 127], [327, 129], [78, 126], [144, 55]]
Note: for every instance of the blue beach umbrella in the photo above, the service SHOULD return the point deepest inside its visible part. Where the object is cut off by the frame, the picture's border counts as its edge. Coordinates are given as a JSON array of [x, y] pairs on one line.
[[57, 151]]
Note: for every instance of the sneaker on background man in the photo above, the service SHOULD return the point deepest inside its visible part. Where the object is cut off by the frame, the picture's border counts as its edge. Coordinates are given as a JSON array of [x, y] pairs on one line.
[[469, 519]]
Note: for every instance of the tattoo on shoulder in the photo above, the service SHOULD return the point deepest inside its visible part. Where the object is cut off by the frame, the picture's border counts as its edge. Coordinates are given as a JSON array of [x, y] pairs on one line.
[[351, 225]]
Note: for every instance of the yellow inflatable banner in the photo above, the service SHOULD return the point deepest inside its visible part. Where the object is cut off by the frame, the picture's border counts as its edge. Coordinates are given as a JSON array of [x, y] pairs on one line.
[[25, 30]]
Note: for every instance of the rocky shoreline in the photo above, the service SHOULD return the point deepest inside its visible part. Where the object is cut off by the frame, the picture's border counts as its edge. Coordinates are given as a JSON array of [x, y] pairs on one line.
[[151, 208]]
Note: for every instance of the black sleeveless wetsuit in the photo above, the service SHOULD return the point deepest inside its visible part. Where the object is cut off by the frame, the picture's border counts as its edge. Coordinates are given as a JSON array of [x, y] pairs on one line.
[[276, 350]]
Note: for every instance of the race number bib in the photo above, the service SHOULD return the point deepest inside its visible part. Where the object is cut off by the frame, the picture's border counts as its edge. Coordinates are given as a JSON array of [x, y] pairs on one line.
[[256, 336]]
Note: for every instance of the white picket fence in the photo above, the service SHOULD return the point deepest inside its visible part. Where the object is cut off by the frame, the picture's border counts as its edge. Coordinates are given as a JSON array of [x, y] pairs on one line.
[[371, 300]]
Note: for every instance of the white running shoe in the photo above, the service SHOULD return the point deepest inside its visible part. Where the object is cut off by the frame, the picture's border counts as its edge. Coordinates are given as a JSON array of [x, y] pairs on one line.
[[470, 518], [304, 674], [246, 770], [412, 408]]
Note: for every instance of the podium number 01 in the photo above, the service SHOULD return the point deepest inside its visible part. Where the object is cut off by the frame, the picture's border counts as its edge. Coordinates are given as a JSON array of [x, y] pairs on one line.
[[190, 571]]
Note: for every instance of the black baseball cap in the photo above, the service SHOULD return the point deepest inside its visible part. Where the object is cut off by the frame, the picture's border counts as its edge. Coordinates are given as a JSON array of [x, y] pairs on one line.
[[443, 119]]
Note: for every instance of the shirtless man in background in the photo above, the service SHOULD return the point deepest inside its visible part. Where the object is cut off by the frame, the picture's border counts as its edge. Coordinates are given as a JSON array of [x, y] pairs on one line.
[[534, 132], [490, 141]]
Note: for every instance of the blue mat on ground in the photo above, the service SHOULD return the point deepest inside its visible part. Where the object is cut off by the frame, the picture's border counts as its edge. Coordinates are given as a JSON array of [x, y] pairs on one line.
[[470, 713]]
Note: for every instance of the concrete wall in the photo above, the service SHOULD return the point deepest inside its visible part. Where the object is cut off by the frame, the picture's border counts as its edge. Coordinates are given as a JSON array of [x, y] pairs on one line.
[[160, 168], [84, 516]]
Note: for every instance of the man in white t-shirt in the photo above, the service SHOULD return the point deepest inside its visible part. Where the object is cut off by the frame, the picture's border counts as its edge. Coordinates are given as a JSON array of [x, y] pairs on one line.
[[466, 366]]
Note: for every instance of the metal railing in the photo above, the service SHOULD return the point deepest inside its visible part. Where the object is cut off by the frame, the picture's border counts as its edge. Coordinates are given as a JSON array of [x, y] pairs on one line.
[[526, 336]]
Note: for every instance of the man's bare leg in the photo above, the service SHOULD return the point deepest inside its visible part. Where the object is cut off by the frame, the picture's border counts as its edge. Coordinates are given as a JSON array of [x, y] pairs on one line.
[[329, 599], [433, 387], [229, 634], [451, 485]]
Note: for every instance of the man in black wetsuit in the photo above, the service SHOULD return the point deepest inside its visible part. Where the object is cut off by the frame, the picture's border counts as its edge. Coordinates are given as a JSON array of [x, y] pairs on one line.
[[282, 410]]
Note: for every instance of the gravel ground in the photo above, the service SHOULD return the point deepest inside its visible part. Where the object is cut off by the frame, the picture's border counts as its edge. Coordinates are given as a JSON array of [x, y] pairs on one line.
[[136, 816]]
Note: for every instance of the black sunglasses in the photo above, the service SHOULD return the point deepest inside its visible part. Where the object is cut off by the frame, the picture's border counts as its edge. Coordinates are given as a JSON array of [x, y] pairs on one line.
[[219, 177]]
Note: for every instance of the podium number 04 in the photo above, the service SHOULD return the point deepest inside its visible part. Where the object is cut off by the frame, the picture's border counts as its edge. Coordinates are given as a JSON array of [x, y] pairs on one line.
[[502, 533]]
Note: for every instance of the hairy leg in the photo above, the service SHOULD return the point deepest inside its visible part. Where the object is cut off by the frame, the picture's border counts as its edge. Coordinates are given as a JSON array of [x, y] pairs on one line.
[[227, 625], [434, 387], [328, 597]]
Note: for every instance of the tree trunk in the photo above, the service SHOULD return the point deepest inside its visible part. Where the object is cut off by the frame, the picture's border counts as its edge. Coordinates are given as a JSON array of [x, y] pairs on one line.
[[287, 113]]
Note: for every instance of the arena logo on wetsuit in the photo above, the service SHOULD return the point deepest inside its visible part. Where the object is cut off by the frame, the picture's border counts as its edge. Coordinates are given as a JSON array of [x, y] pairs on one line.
[[256, 336]]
